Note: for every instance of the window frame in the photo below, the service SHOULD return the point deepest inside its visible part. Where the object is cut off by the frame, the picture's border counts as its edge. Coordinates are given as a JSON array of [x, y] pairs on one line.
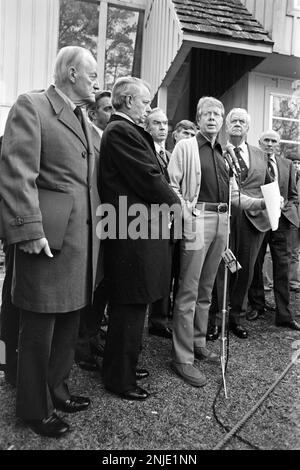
[[281, 92]]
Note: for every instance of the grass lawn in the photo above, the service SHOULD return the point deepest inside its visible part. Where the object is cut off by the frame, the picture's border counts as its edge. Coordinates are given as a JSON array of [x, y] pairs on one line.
[[178, 416]]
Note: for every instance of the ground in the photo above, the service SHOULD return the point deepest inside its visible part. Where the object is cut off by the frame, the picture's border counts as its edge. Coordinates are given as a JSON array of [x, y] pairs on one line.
[[178, 416]]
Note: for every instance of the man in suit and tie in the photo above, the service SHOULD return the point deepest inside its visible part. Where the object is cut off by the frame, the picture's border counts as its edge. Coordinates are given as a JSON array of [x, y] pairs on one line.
[[47, 144], [157, 125], [280, 240], [248, 227], [137, 268]]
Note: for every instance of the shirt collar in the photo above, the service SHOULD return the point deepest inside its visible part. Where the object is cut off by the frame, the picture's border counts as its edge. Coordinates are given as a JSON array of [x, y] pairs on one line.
[[242, 146], [202, 140], [123, 115], [158, 147]]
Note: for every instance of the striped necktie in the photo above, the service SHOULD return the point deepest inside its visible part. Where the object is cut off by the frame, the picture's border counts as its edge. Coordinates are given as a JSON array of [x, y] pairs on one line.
[[243, 166]]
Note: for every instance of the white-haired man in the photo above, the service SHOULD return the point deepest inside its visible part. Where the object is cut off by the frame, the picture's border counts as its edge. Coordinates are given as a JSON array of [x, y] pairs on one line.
[[199, 175], [47, 145], [248, 227], [137, 268], [280, 240]]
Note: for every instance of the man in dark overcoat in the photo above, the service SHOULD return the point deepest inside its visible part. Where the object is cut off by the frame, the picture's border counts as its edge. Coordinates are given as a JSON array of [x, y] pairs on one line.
[[47, 144], [137, 269]]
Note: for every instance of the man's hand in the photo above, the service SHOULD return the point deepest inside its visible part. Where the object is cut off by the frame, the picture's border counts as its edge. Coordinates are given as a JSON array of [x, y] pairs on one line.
[[281, 202], [36, 246]]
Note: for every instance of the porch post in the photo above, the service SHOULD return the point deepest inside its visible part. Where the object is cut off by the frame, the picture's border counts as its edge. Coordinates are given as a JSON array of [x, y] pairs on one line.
[[102, 30], [162, 98]]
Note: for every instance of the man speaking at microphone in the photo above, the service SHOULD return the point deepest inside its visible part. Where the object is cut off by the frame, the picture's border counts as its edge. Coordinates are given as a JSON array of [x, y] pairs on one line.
[[199, 175]]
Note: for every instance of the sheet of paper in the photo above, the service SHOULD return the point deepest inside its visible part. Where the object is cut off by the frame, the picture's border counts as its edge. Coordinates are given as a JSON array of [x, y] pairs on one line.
[[271, 195]]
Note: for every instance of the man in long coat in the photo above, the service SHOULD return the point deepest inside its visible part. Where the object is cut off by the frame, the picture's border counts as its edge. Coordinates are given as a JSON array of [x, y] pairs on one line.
[[46, 145], [137, 269]]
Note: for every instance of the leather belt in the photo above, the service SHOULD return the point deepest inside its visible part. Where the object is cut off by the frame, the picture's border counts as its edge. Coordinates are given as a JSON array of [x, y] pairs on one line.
[[220, 207]]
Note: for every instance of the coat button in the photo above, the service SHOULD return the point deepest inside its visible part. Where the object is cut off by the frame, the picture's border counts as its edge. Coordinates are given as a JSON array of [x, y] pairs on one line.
[[19, 220], [84, 154]]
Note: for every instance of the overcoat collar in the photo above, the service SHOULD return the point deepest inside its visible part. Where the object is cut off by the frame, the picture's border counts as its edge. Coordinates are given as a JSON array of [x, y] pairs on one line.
[[145, 134], [65, 114], [67, 117]]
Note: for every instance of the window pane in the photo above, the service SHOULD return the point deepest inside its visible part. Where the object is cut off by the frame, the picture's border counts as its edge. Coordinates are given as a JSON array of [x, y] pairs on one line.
[[286, 106], [290, 150], [120, 43], [288, 130], [78, 24]]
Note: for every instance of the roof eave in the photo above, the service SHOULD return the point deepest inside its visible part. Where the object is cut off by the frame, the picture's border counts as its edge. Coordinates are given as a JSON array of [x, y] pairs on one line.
[[235, 46]]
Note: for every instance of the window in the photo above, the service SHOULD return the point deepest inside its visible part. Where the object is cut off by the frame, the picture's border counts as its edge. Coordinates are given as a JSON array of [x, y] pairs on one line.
[[293, 7], [78, 24], [285, 119], [122, 27]]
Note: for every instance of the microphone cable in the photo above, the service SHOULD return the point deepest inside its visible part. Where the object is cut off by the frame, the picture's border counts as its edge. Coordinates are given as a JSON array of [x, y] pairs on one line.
[[232, 432]]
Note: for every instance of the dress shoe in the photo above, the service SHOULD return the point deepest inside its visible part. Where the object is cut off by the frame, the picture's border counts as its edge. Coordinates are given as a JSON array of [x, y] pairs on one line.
[[239, 331], [189, 373], [206, 355], [253, 315], [136, 393], [165, 332], [213, 333], [88, 365], [73, 404], [289, 324], [50, 427], [141, 374]]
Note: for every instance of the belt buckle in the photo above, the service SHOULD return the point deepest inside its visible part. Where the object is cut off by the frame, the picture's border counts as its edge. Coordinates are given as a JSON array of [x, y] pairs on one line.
[[222, 207]]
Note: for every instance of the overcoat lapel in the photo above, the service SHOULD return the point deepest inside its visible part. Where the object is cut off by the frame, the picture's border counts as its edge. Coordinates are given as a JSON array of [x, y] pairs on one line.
[[90, 148], [65, 114]]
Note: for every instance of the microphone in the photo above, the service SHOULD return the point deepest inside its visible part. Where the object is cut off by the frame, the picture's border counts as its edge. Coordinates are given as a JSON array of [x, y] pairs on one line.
[[234, 160]]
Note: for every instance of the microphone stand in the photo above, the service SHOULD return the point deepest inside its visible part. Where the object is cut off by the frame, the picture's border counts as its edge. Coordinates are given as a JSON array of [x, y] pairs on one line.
[[224, 304]]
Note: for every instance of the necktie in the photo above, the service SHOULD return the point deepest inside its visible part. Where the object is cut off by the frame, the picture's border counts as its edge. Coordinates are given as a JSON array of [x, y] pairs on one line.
[[79, 115], [271, 169], [243, 166]]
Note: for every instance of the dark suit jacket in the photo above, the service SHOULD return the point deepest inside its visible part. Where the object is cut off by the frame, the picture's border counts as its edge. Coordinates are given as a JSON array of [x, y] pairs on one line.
[[44, 146], [257, 176], [288, 190], [138, 271]]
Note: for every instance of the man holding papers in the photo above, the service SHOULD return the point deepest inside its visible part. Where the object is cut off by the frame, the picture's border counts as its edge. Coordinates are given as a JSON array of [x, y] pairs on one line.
[[281, 171], [247, 226]]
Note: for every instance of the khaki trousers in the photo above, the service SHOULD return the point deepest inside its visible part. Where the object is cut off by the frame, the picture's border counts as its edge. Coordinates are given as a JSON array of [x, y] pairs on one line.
[[198, 269]]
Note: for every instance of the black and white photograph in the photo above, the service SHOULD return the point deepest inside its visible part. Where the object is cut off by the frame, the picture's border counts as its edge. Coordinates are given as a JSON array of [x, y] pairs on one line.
[[150, 228]]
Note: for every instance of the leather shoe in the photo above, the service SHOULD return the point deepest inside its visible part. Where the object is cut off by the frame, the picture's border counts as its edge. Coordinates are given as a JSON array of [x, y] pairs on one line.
[[88, 365], [50, 427], [205, 354], [73, 404], [165, 332], [239, 331], [212, 333], [289, 324], [136, 393], [141, 374], [253, 315]]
